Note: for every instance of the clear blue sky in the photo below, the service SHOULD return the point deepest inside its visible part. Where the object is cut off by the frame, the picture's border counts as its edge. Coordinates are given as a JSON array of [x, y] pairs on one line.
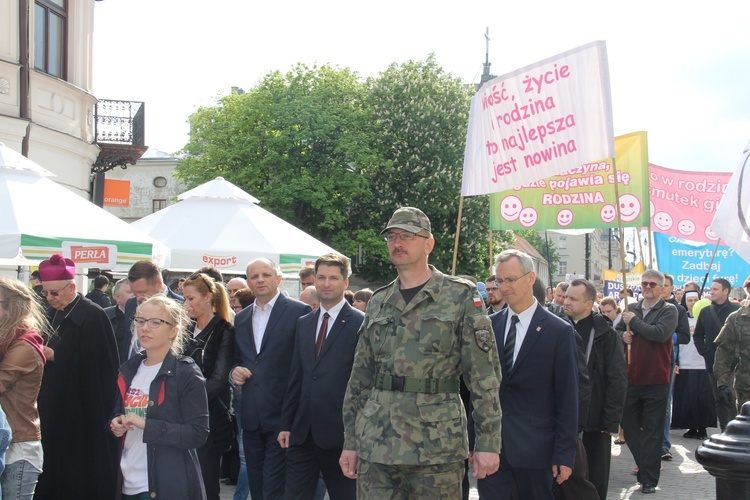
[[678, 70]]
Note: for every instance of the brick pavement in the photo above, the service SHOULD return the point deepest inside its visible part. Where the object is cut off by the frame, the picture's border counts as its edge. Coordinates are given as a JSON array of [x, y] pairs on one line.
[[683, 478]]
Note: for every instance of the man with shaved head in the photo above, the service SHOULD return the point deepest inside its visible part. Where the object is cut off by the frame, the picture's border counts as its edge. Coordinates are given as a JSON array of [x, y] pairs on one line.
[[264, 344]]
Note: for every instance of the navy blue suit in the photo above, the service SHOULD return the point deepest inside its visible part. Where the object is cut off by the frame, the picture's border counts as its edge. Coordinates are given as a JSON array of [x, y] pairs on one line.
[[263, 393], [539, 400], [313, 405]]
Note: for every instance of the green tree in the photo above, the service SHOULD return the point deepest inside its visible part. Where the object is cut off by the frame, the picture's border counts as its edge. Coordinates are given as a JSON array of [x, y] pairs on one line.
[[543, 246], [422, 115], [292, 141]]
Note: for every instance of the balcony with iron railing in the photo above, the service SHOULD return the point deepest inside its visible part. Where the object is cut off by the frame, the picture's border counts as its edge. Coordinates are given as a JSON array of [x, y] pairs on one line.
[[120, 133]]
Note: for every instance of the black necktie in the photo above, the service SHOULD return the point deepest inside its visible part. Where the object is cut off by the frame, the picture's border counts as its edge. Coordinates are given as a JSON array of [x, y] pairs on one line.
[[510, 342], [321, 334]]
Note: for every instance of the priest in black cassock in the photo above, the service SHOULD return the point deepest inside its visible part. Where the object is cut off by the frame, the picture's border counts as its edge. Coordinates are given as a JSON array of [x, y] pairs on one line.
[[77, 394]]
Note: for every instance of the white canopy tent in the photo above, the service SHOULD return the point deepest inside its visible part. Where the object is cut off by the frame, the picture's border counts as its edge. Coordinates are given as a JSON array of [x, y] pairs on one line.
[[40, 218], [219, 224]]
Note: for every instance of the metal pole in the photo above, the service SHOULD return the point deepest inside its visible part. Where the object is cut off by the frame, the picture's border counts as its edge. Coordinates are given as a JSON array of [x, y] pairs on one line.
[[458, 232]]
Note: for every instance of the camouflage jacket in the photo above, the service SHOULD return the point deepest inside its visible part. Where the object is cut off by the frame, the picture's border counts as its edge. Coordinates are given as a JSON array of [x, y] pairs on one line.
[[736, 327], [443, 333]]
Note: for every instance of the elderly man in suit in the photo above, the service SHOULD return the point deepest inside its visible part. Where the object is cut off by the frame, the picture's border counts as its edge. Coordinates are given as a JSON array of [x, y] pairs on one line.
[[264, 344], [321, 365], [539, 389]]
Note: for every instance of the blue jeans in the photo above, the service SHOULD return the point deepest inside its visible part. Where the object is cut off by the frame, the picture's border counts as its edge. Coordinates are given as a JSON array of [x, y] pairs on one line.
[[19, 480], [242, 489]]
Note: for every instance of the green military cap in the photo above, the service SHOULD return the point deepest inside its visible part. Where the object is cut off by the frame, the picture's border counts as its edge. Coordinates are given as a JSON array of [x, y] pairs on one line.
[[409, 219]]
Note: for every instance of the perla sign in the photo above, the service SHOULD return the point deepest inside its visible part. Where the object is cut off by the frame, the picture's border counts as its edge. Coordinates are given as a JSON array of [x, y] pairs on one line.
[[90, 255]]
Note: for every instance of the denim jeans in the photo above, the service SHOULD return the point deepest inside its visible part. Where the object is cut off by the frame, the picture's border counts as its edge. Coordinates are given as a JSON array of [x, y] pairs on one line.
[[19, 480], [242, 490]]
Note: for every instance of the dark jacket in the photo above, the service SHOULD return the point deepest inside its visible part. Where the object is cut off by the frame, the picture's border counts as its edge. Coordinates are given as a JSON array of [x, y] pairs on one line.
[[651, 349], [317, 384], [683, 324], [75, 405], [263, 393], [213, 352], [98, 297], [123, 334], [710, 322], [176, 424], [608, 374], [539, 395]]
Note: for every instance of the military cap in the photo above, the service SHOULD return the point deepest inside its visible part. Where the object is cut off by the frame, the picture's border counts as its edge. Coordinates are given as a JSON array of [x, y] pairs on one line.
[[409, 219]]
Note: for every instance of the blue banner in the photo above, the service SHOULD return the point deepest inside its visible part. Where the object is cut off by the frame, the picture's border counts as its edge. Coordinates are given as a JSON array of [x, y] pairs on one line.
[[689, 261]]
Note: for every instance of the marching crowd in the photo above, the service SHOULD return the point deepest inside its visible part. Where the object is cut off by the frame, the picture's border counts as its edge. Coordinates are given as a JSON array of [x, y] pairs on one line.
[[399, 392]]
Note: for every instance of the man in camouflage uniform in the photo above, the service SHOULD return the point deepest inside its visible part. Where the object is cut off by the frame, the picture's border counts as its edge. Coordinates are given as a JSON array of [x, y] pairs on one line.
[[734, 342], [404, 423]]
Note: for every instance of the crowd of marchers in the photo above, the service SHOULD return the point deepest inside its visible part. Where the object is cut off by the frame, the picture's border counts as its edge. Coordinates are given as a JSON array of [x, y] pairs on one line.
[[400, 392]]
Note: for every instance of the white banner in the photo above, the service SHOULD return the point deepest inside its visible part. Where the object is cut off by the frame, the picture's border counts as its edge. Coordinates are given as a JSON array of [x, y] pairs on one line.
[[732, 219], [539, 121]]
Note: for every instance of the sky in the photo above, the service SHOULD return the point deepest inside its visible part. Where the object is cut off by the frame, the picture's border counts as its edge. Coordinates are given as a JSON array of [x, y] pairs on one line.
[[678, 71]]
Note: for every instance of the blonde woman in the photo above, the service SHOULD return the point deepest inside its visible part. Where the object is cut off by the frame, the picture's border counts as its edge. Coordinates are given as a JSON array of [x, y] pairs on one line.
[[22, 320], [163, 410], [211, 345]]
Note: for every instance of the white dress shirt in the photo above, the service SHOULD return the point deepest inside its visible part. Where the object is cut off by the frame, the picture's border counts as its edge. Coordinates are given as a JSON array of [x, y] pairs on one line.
[[332, 315], [524, 320], [260, 320]]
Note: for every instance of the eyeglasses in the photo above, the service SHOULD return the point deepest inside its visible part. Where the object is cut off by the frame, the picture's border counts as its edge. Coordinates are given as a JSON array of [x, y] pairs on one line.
[[56, 292], [649, 284], [405, 237], [509, 281], [153, 323]]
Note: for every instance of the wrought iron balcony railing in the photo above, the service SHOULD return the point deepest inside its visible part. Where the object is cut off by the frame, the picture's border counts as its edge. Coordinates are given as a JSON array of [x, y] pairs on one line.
[[120, 122]]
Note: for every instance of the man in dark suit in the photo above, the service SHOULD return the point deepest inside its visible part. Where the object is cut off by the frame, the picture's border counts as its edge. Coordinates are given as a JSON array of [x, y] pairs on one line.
[[539, 389], [321, 365], [264, 344], [116, 314]]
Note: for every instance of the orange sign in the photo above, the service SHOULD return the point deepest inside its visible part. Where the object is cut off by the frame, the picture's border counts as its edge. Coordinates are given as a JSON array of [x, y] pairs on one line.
[[116, 193], [89, 255]]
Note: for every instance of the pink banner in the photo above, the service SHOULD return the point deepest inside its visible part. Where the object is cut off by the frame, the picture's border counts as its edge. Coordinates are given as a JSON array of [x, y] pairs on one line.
[[683, 203]]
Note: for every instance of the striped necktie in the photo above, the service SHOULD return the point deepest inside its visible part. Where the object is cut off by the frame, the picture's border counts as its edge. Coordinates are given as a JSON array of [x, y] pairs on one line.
[[510, 342]]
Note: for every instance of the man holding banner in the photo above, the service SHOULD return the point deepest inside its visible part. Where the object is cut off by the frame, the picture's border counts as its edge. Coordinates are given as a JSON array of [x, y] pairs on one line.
[[651, 322]]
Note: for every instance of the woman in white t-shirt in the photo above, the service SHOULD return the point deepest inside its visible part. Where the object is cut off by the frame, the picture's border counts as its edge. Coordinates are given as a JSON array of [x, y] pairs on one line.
[[163, 410]]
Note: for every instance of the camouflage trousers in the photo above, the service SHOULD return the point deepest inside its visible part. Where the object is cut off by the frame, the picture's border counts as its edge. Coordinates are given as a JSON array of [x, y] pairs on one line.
[[413, 482]]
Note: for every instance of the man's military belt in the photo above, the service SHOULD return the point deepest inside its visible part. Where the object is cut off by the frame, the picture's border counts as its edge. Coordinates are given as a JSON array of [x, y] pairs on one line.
[[412, 384]]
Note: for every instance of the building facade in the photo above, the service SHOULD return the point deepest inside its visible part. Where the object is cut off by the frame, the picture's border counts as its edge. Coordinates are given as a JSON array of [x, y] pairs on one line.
[[46, 105], [143, 188], [585, 254]]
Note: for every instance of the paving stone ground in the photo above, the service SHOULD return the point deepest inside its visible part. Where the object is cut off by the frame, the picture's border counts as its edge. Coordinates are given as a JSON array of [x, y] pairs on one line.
[[683, 478]]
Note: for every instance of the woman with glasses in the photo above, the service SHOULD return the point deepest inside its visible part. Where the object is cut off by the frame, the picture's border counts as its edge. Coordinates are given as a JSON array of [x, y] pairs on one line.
[[163, 409], [22, 324], [211, 345]]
